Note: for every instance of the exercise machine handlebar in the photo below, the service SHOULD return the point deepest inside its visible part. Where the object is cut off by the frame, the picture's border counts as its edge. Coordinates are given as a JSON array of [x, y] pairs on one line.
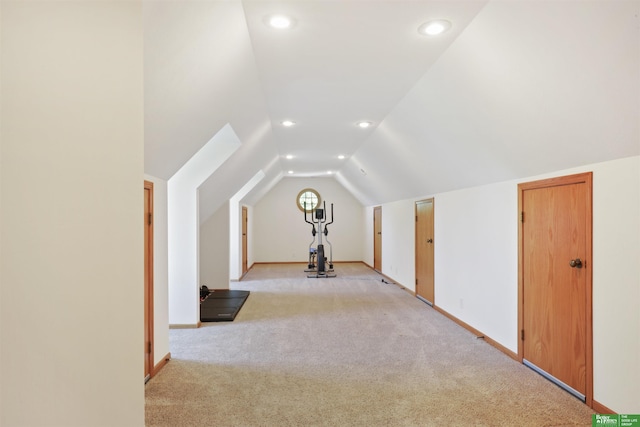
[[326, 230], [313, 226]]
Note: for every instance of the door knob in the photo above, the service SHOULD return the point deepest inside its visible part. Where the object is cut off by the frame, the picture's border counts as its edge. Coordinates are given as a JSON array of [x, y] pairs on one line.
[[429, 240], [575, 263]]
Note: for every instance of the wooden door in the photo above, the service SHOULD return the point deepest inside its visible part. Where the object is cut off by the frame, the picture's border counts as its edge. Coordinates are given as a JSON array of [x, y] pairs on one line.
[[377, 238], [148, 279], [424, 251], [245, 218], [555, 281]]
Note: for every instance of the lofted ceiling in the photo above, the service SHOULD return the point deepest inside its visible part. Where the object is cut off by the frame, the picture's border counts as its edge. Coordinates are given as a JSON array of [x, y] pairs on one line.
[[513, 89]]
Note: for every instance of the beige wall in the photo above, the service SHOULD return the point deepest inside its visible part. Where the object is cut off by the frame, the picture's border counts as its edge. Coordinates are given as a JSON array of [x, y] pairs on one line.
[[72, 240], [214, 250], [281, 235], [476, 267]]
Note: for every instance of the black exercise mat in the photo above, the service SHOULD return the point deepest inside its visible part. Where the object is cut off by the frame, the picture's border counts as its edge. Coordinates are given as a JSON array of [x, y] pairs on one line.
[[228, 293], [220, 306]]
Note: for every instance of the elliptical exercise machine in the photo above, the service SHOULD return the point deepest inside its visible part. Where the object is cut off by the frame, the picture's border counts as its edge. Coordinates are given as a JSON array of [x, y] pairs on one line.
[[317, 253]]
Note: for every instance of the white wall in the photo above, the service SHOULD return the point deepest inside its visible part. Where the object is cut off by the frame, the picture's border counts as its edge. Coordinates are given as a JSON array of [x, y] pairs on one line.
[[184, 225], [160, 270], [281, 235], [1, 280], [476, 275], [475, 235], [616, 284], [235, 226], [72, 239], [397, 236], [476, 258], [214, 250]]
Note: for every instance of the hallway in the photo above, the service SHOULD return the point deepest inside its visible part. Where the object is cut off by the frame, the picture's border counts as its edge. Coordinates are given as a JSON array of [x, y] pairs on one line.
[[346, 351]]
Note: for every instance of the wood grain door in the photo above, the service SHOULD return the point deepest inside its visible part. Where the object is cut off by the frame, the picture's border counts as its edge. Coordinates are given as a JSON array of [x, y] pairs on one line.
[[245, 218], [555, 275], [424, 251], [377, 238], [148, 279]]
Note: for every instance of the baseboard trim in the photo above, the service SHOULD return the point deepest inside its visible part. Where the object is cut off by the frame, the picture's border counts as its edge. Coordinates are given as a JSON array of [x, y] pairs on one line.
[[601, 409], [161, 364], [277, 262], [391, 280], [301, 262], [468, 327], [595, 405], [478, 334], [243, 274], [239, 279], [185, 325]]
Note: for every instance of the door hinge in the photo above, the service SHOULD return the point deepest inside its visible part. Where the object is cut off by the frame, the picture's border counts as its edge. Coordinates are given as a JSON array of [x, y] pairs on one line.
[[522, 334], [416, 281], [522, 216], [150, 219], [149, 347], [416, 218]]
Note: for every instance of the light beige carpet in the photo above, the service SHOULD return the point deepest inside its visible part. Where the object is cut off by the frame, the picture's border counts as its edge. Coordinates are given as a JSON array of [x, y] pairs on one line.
[[346, 351]]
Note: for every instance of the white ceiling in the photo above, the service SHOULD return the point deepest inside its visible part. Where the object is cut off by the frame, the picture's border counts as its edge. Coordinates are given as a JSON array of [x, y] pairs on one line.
[[515, 88], [342, 62]]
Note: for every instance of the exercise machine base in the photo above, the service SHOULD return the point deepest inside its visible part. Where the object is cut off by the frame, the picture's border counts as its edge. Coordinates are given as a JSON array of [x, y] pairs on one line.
[[325, 275]]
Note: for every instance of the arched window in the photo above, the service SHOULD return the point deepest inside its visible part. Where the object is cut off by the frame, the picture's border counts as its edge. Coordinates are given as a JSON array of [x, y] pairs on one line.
[[309, 199]]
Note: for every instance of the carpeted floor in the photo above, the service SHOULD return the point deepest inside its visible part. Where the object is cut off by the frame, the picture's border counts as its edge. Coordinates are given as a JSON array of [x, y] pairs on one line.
[[347, 351]]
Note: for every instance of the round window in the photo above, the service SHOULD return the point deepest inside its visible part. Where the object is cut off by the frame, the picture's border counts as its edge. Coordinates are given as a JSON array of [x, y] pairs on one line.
[[308, 199]]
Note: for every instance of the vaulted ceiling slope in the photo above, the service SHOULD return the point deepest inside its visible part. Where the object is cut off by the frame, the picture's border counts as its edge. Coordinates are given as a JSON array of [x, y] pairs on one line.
[[200, 75], [513, 89], [528, 88]]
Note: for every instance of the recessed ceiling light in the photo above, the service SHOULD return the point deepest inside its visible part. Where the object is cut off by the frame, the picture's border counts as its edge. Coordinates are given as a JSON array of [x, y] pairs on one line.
[[289, 156], [288, 123], [364, 124], [280, 22], [329, 172], [290, 172], [433, 28], [341, 156]]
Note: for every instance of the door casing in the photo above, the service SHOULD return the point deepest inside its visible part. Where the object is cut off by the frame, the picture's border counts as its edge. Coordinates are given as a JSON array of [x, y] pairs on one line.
[[148, 280]]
